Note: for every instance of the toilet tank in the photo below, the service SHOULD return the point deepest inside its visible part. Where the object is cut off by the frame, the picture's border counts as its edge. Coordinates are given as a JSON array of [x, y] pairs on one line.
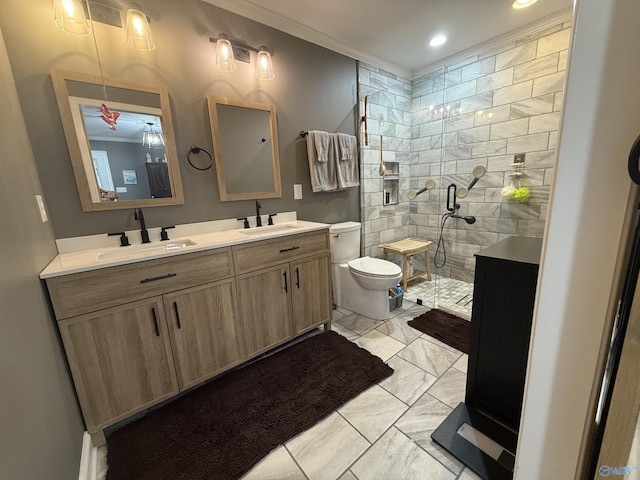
[[345, 241]]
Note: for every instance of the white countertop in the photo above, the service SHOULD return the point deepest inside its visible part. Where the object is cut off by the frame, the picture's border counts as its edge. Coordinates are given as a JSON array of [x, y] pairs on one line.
[[102, 257]]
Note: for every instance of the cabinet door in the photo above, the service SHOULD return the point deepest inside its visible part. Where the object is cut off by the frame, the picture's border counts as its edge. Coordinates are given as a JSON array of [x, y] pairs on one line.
[[311, 292], [263, 308], [120, 359], [204, 331]]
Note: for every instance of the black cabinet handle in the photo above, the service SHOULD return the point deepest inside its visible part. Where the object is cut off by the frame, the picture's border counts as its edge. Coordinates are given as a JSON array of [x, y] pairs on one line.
[[153, 279], [288, 249], [286, 289], [297, 277], [155, 321], [175, 309]]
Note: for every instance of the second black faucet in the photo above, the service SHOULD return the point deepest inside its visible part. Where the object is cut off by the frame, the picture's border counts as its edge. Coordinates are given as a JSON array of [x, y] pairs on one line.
[[137, 214], [258, 218]]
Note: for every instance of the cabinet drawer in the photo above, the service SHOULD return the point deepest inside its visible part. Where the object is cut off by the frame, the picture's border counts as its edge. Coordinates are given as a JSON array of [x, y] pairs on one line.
[[90, 291], [254, 256]]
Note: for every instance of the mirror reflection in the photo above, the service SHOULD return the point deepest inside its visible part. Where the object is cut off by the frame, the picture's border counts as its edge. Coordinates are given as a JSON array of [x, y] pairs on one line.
[[120, 139], [245, 143]]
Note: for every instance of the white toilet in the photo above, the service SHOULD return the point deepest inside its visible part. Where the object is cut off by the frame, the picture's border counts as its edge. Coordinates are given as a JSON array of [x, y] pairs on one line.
[[359, 284]]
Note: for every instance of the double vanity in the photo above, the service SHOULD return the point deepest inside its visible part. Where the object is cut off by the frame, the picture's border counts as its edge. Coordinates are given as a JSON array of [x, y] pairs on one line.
[[142, 324]]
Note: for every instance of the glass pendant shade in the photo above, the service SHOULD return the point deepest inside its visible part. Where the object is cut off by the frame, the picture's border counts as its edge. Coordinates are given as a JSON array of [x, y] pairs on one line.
[[69, 17], [224, 56], [151, 138], [264, 68], [138, 31]]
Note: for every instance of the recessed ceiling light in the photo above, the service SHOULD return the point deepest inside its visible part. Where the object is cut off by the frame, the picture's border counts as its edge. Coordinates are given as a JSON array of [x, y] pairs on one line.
[[437, 40], [523, 3]]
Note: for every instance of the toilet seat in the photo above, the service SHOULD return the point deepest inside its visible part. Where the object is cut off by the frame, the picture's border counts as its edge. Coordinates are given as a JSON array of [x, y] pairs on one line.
[[374, 267]]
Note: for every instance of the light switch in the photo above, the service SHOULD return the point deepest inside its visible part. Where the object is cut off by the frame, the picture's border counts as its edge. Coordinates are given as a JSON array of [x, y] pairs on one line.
[[43, 211], [297, 191]]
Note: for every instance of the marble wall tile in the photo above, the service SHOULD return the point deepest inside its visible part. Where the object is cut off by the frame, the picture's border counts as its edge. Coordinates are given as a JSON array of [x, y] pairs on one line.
[[452, 77], [528, 143], [466, 167], [540, 33], [492, 115], [484, 210], [474, 135], [516, 56], [478, 69], [501, 225], [563, 61], [549, 84], [462, 62], [520, 211], [496, 49], [466, 89], [514, 93], [476, 102], [495, 147], [558, 101], [500, 79], [460, 122], [536, 68], [532, 106], [556, 42], [459, 152], [512, 128], [531, 228], [545, 123]]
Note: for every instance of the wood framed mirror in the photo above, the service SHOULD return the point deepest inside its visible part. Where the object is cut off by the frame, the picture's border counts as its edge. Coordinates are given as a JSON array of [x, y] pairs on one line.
[[105, 122], [245, 144]]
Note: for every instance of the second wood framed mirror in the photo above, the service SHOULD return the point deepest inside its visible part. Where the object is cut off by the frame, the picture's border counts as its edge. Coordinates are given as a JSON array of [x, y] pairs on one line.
[[245, 144]]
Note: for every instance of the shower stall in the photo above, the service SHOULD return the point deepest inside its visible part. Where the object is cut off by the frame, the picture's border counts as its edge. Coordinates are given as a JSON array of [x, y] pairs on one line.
[[468, 150]]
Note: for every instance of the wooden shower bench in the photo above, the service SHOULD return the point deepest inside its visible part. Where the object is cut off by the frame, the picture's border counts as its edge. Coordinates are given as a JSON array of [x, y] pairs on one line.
[[406, 248]]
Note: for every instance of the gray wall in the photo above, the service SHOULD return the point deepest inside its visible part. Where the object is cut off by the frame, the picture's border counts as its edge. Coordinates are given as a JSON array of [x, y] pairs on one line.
[[314, 88], [41, 433]]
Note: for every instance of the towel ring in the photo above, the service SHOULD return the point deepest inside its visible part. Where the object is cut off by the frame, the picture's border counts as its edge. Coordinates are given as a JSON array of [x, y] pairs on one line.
[[196, 150]]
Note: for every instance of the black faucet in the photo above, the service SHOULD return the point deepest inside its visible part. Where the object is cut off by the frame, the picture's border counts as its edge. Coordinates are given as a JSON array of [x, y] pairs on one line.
[[137, 214], [258, 218]]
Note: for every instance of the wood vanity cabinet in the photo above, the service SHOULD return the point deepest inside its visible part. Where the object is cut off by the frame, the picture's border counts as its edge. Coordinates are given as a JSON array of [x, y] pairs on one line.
[[127, 358], [140, 333], [283, 288]]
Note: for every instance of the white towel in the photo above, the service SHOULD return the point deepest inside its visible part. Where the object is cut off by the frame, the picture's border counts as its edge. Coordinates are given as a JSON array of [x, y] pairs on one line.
[[347, 169], [322, 140], [323, 174], [344, 142]]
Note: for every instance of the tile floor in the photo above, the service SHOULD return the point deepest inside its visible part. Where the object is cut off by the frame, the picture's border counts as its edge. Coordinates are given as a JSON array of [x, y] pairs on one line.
[[454, 296], [385, 432]]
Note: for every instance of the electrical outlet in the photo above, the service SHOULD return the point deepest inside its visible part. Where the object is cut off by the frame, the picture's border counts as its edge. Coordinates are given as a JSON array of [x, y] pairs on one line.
[[43, 211], [297, 191]]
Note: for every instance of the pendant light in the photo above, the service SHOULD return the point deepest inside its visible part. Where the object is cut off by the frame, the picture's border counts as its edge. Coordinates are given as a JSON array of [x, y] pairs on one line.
[[69, 17], [151, 138], [138, 31]]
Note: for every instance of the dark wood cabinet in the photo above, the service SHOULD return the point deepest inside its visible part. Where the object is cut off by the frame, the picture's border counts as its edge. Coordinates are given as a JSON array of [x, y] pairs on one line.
[[483, 431], [503, 298]]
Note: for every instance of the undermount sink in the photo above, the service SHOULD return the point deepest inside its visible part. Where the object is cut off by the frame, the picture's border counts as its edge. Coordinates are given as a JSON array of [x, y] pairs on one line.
[[145, 250], [268, 229]]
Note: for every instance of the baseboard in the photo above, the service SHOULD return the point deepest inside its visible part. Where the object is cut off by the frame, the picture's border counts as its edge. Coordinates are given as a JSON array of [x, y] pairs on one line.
[[88, 460]]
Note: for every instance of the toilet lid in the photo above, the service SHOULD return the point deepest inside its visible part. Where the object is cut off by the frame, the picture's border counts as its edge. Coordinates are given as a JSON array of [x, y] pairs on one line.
[[374, 267]]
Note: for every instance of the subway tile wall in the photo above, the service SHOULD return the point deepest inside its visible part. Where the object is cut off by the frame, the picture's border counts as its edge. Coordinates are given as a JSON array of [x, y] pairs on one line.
[[481, 110]]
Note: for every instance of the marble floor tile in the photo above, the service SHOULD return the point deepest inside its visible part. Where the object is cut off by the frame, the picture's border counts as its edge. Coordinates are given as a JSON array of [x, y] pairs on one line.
[[419, 422], [344, 331], [327, 449], [430, 357], [408, 382], [450, 387], [373, 412], [461, 364], [469, 475], [440, 344], [359, 323], [395, 456], [397, 328], [278, 465], [380, 344], [348, 476]]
